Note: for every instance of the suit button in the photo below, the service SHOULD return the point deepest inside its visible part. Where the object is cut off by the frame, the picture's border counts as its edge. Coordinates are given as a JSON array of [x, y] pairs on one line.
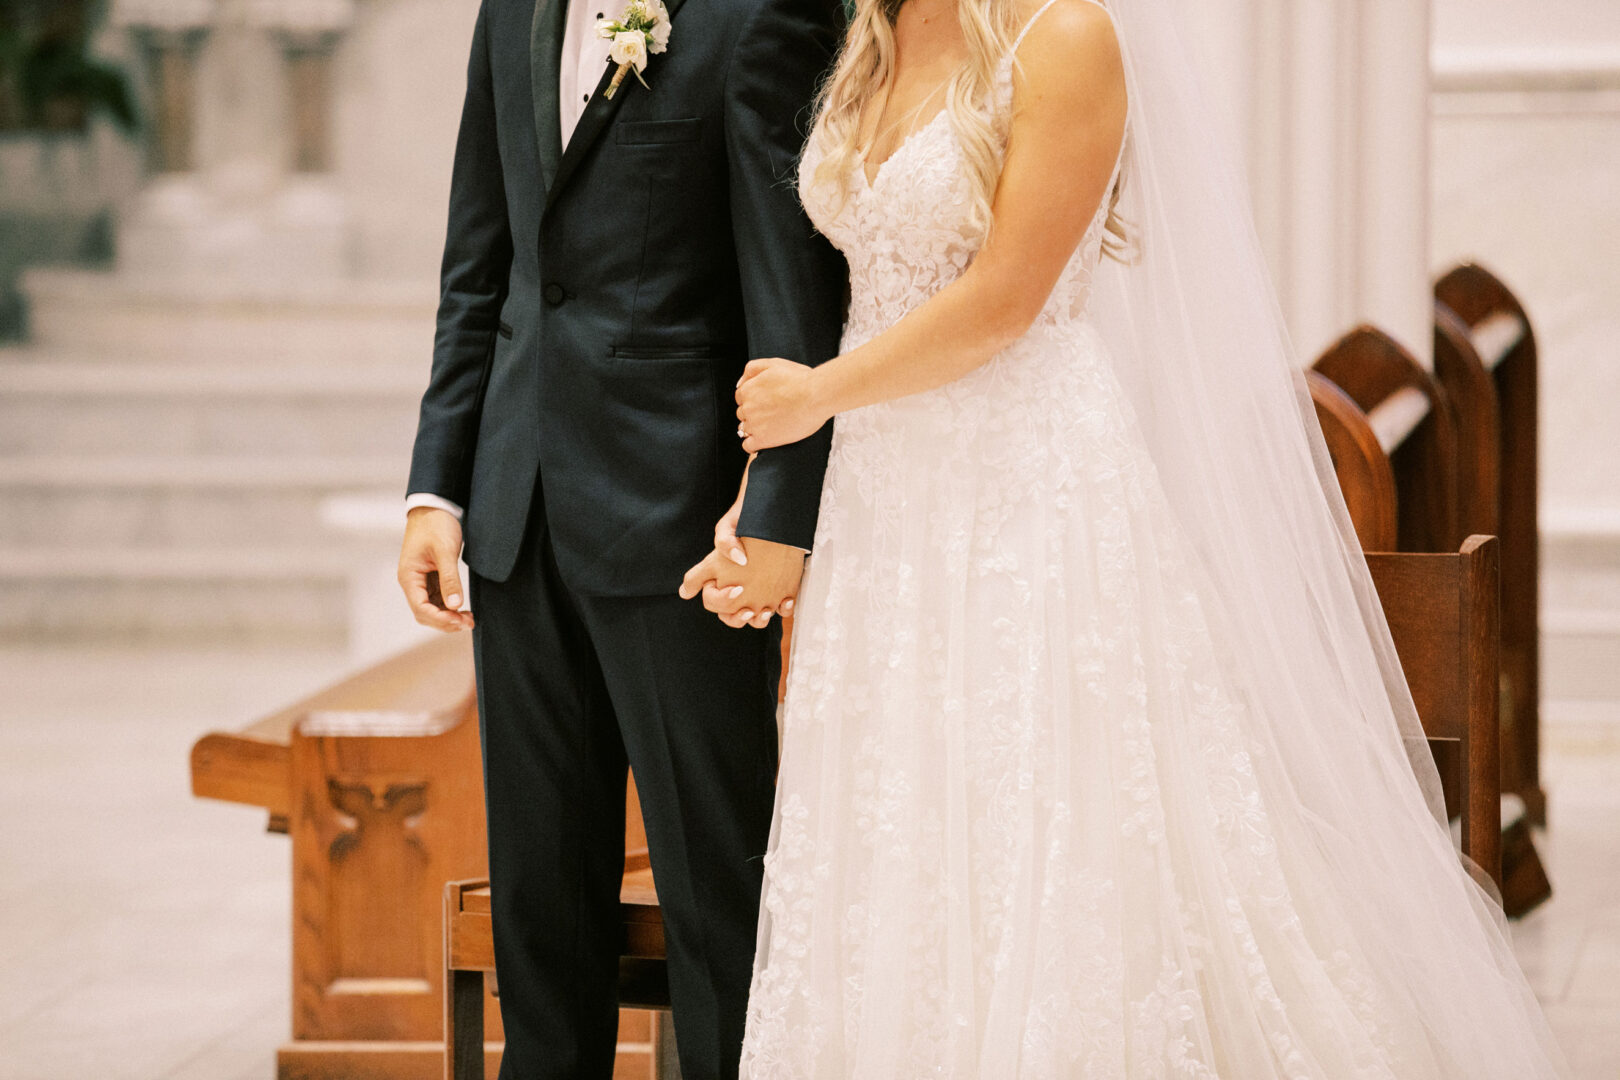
[[554, 294]]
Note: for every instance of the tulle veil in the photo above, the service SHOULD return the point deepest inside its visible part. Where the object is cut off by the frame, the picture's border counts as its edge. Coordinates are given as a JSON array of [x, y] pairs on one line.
[[1199, 341]]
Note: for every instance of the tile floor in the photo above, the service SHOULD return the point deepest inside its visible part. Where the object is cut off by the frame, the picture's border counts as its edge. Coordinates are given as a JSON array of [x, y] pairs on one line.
[[144, 934]]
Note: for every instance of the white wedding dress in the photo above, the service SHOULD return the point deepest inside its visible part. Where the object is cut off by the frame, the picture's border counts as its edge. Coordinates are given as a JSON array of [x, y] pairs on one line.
[[1019, 831]]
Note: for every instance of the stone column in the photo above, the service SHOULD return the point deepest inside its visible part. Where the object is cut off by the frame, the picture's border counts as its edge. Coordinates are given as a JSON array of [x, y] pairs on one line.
[[309, 219], [307, 32], [170, 35], [1393, 154], [171, 69], [1330, 99]]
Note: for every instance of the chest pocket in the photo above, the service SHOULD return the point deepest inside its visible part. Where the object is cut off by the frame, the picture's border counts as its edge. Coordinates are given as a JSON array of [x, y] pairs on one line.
[[658, 132]]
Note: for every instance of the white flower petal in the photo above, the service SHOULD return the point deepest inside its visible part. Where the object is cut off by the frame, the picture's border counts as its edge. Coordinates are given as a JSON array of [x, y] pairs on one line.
[[630, 47]]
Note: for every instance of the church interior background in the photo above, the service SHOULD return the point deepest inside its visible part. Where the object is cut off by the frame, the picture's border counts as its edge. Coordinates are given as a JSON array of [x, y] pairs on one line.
[[218, 265]]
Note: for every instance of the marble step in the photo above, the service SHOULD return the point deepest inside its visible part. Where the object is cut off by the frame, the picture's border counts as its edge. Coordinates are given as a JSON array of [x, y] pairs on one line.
[[52, 407], [104, 314], [216, 596], [75, 503]]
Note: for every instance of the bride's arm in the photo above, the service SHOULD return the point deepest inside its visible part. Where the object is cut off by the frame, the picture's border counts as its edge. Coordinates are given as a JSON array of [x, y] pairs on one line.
[[1068, 121]]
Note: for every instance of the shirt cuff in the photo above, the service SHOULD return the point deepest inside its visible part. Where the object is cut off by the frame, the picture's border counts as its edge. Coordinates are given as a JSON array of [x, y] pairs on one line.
[[423, 498]]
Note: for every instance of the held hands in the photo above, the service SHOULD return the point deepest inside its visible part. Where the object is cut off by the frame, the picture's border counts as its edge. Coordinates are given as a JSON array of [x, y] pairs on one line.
[[745, 587], [777, 404], [428, 570]]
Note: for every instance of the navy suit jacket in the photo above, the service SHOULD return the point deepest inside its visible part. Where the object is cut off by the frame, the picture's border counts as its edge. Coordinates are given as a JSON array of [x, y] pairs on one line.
[[598, 304]]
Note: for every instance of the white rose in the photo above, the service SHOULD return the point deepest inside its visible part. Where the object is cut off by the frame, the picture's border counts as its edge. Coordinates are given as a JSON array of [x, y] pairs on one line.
[[604, 29], [660, 35], [630, 47]]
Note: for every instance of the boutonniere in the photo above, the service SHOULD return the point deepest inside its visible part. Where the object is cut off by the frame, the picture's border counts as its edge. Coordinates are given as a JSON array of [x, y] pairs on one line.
[[643, 29]]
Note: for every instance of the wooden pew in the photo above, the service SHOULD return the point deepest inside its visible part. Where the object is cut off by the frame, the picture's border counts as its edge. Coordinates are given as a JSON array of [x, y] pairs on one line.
[[1462, 374], [1412, 420], [1504, 342], [379, 782], [1362, 446], [1366, 478], [1442, 612], [469, 960], [378, 779], [1444, 617]]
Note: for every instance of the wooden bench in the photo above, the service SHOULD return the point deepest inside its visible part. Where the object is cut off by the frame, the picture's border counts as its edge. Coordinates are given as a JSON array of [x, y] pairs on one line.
[[1462, 374], [1442, 613], [1366, 477], [1411, 419], [469, 951], [379, 783], [1499, 333], [1363, 446], [1444, 616]]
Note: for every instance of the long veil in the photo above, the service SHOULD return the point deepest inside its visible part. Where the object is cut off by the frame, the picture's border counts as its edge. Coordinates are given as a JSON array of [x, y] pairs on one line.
[[1199, 342]]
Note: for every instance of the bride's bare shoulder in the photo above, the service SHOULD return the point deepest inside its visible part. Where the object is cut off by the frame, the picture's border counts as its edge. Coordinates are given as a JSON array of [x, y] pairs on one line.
[[1070, 53], [1072, 18]]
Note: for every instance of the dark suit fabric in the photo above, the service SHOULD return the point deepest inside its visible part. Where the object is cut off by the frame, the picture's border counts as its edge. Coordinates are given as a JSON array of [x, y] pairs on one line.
[[592, 331], [573, 687], [598, 305]]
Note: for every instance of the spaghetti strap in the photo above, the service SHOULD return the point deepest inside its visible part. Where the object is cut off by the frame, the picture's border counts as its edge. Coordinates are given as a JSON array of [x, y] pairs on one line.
[[1019, 40]]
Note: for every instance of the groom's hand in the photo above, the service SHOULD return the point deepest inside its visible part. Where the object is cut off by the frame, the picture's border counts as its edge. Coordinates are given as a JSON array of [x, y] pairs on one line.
[[429, 571]]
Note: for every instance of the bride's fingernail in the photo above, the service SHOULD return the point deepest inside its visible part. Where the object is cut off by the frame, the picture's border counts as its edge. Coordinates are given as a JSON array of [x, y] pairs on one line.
[[735, 591], [787, 607]]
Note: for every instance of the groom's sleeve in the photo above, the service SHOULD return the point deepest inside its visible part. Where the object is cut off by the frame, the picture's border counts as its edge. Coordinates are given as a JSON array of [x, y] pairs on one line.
[[472, 287], [793, 280]]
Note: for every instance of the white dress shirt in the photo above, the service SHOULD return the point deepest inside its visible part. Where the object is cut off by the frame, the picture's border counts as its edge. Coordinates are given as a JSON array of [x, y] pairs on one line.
[[584, 58]]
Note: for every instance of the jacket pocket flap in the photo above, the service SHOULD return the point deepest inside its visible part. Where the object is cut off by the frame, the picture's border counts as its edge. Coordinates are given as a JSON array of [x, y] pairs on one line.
[[644, 132]]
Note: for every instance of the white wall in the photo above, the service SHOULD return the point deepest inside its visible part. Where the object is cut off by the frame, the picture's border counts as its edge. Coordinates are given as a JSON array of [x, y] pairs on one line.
[[1496, 24], [1527, 180], [400, 80]]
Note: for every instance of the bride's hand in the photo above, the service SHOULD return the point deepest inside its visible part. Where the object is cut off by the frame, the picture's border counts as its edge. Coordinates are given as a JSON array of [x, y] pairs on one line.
[[776, 404]]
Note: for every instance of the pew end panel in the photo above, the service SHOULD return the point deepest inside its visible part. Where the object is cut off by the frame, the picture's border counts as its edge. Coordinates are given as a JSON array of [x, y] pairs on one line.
[[1415, 425], [344, 771], [387, 804], [1443, 614], [1468, 386], [1366, 479], [1503, 336]]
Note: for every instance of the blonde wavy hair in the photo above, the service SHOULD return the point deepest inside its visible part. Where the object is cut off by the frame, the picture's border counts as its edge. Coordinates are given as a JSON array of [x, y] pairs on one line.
[[866, 64]]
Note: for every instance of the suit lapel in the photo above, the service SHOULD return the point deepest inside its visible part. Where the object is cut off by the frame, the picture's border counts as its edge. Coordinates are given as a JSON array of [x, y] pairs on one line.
[[599, 110], [545, 65]]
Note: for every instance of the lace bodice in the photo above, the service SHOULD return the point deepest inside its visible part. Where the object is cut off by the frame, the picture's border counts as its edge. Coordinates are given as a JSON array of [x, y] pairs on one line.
[[909, 231]]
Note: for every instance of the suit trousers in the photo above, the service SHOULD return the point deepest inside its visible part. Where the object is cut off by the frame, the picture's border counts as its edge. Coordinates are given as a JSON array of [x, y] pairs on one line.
[[572, 689]]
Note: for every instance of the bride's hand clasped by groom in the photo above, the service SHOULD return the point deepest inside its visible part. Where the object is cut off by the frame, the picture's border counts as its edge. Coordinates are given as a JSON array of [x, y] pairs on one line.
[[745, 580], [778, 402]]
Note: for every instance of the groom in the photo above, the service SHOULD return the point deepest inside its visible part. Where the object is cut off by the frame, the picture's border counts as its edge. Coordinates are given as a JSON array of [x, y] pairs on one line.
[[611, 265]]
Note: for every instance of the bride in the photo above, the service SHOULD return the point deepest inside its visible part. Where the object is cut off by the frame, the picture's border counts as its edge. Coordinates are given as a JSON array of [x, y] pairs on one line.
[[1097, 759]]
